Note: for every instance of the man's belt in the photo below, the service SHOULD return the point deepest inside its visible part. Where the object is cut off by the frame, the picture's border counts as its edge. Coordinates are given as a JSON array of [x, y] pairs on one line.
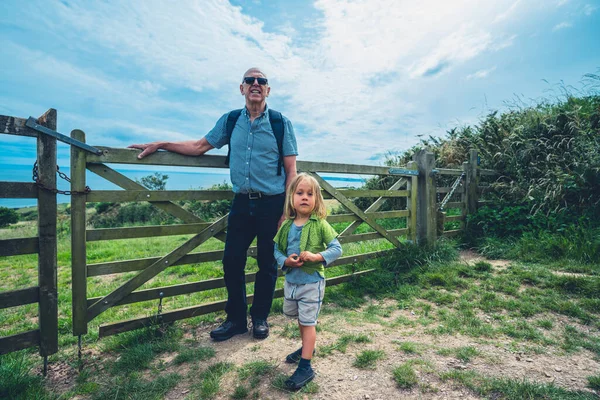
[[258, 195]]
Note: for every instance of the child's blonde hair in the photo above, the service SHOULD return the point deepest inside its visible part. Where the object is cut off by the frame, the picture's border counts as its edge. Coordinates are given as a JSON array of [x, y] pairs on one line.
[[320, 209]]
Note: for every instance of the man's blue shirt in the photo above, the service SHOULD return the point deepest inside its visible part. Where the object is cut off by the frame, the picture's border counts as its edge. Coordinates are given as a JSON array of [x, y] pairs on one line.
[[254, 153]]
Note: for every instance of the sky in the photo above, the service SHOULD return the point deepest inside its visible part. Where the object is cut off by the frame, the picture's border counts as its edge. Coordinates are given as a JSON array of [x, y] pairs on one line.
[[358, 79]]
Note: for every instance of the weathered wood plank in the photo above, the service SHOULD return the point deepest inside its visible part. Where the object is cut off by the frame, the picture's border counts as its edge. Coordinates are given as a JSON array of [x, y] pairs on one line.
[[19, 297], [351, 193], [193, 311], [350, 206], [411, 204], [129, 156], [372, 208], [18, 190], [78, 249], [121, 180], [122, 196], [455, 218], [20, 341], [116, 267], [174, 209], [472, 182], [15, 126], [448, 171], [144, 231], [370, 236], [150, 272], [209, 284], [19, 246], [47, 217], [374, 215], [426, 205]]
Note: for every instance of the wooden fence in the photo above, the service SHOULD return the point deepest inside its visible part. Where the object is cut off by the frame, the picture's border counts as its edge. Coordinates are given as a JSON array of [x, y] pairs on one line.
[[86, 309], [417, 184], [44, 244]]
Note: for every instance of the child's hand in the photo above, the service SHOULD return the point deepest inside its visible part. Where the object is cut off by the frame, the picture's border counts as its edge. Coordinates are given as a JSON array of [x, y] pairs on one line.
[[311, 257], [293, 261]]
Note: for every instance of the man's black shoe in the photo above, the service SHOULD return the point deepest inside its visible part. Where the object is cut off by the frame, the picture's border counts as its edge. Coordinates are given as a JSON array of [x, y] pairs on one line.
[[299, 378], [260, 329], [227, 330], [294, 358]]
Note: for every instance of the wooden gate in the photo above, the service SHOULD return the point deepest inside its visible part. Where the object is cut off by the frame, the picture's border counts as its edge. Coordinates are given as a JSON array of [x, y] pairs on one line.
[[44, 244], [86, 309]]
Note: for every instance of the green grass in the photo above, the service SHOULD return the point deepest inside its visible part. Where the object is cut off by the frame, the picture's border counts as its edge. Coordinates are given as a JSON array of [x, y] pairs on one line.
[[194, 354], [594, 382], [405, 376], [512, 389], [135, 388], [342, 343], [17, 380], [210, 380], [368, 358], [240, 392], [410, 347], [464, 354], [254, 371]]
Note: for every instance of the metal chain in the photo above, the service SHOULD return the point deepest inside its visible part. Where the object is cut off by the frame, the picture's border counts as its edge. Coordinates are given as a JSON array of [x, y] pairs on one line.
[[61, 174], [449, 195]]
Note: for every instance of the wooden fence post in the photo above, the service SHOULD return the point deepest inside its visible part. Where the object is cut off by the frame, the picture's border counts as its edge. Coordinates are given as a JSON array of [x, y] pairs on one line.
[[47, 215], [411, 203], [78, 250], [472, 182], [426, 204]]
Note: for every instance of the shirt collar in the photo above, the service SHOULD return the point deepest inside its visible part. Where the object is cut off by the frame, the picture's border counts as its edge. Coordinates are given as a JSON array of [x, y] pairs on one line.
[[247, 114]]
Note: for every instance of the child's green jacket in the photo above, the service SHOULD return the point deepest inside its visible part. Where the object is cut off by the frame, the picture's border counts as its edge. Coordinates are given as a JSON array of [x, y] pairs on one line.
[[316, 235]]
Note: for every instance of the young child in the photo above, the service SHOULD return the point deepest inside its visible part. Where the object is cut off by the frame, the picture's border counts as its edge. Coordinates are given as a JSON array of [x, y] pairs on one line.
[[304, 244]]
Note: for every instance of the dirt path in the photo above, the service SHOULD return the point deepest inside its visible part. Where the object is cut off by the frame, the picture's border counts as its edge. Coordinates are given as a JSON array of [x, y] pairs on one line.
[[338, 379]]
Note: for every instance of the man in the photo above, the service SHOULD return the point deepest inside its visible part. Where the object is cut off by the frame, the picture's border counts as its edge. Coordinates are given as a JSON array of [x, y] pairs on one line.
[[257, 207]]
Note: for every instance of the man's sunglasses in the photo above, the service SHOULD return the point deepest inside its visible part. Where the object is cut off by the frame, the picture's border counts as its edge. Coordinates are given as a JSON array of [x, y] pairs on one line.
[[249, 80]]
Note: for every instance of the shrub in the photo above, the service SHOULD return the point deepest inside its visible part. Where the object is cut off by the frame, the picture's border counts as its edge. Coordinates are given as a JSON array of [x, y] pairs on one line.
[[210, 210], [7, 217]]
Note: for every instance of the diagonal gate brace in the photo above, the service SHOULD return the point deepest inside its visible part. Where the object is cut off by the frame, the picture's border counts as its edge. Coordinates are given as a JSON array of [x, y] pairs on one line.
[[150, 272], [350, 206], [372, 208]]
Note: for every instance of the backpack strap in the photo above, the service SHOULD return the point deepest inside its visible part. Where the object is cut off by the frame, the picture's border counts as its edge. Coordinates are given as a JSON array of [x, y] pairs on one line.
[[276, 121], [231, 121], [277, 125]]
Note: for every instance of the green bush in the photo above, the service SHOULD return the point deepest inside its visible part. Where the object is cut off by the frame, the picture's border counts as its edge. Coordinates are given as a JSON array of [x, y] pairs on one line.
[[7, 217], [210, 210]]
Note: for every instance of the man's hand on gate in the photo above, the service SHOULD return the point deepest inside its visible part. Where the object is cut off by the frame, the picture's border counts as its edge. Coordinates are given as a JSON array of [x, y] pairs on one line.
[[147, 148]]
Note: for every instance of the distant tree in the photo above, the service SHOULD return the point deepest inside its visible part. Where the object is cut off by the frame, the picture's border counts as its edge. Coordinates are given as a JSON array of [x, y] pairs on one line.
[[8, 216], [156, 181]]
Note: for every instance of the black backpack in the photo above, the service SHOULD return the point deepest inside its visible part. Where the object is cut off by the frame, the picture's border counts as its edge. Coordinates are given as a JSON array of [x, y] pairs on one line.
[[276, 121]]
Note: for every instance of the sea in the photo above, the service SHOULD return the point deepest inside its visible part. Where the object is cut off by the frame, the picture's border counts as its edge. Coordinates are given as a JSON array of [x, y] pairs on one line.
[[179, 178]]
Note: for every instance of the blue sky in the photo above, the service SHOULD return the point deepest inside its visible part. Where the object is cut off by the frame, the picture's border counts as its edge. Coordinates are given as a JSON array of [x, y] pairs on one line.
[[357, 78]]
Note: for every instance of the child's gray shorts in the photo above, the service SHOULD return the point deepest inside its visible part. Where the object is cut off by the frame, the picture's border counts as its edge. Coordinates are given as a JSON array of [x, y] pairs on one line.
[[303, 301]]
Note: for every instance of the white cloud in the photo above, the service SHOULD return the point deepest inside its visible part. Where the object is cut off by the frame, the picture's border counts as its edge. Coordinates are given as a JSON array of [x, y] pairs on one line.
[[589, 9], [562, 25], [482, 73], [506, 14], [354, 87]]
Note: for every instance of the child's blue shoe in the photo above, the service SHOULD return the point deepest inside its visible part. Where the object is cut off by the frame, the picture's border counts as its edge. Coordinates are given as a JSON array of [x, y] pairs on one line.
[[300, 378]]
